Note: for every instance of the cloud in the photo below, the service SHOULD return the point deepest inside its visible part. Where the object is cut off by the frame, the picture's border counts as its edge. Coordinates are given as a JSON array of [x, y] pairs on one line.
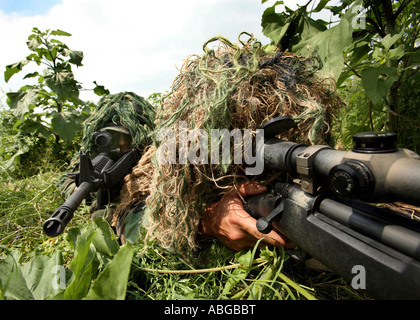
[[131, 45]]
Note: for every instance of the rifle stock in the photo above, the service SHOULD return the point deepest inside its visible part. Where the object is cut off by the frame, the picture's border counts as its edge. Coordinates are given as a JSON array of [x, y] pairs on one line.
[[343, 237]]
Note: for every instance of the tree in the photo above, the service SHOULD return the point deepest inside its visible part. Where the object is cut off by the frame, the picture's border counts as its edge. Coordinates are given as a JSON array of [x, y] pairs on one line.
[[56, 93], [51, 109], [374, 41]]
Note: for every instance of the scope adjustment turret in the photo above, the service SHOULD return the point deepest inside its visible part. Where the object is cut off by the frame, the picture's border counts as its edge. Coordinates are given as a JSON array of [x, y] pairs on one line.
[[375, 142], [352, 179]]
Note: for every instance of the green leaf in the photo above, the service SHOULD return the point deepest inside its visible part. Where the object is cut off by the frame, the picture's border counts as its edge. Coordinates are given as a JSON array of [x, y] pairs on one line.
[[321, 5], [31, 75], [397, 53], [272, 23], [389, 40], [36, 279], [105, 240], [83, 266], [12, 280], [35, 127], [100, 90], [245, 257], [22, 101], [65, 124], [59, 32], [330, 44], [63, 84], [41, 276], [76, 57], [378, 81], [283, 28], [111, 283], [34, 57], [33, 43], [11, 69]]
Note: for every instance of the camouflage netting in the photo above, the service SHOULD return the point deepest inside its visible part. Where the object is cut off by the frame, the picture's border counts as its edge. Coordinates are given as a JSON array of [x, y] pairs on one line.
[[230, 86]]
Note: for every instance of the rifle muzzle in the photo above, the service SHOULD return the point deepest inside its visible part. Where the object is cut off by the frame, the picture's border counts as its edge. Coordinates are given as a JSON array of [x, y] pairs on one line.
[[56, 224], [58, 221]]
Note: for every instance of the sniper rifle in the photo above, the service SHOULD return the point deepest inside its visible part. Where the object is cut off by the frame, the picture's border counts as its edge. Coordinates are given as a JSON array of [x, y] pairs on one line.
[[328, 210]]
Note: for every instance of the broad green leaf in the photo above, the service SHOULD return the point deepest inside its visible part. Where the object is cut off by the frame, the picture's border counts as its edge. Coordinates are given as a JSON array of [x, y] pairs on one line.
[[397, 53], [63, 84], [35, 279], [272, 23], [330, 44], [378, 81], [22, 101], [283, 28], [12, 280], [11, 69], [36, 127], [34, 57], [111, 283], [65, 125], [389, 40], [42, 275], [76, 57], [83, 266], [245, 257], [105, 240]]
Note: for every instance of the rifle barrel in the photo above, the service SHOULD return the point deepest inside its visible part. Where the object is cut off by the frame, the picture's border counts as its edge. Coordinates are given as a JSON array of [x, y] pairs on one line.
[[394, 235], [56, 224]]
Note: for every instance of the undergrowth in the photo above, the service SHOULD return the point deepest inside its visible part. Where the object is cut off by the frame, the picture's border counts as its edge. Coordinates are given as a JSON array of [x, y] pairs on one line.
[[220, 273]]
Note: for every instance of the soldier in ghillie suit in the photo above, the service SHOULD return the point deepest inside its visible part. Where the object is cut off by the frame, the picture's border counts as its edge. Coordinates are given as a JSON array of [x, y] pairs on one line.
[[129, 119], [234, 86]]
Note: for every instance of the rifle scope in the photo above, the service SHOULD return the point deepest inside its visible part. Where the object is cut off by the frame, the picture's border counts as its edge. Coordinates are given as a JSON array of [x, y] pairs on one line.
[[375, 170]]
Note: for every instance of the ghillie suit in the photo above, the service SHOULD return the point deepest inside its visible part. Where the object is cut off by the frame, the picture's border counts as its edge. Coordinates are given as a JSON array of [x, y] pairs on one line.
[[122, 109], [232, 86]]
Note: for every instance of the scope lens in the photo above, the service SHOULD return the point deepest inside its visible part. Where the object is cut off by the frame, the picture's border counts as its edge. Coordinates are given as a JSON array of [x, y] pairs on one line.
[[103, 139]]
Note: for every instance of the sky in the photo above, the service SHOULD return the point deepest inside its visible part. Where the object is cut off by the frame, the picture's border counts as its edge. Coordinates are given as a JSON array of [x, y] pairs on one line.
[[128, 45]]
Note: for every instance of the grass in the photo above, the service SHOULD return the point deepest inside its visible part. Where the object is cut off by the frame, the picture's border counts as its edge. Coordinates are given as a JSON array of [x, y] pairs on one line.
[[157, 275]]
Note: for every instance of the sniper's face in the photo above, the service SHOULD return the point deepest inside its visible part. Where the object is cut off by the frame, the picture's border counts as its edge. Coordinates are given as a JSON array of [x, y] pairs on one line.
[[121, 140]]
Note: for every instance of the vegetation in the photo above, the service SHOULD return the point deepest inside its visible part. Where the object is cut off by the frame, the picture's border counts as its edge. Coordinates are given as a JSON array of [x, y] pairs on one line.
[[374, 61], [48, 113], [371, 48]]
